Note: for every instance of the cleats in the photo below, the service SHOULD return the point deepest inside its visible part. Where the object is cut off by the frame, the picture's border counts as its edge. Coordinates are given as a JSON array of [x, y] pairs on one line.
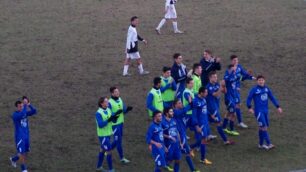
[[206, 162], [178, 32], [263, 147], [227, 131], [242, 125], [211, 137], [270, 146], [126, 74], [144, 72], [14, 164], [168, 168], [100, 169], [124, 161], [229, 142], [158, 31], [234, 133], [196, 170]]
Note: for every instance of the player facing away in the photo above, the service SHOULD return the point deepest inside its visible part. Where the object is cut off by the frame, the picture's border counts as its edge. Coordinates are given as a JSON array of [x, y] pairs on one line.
[[172, 139], [115, 104], [196, 76], [132, 48], [179, 113], [168, 87], [22, 132], [104, 121], [187, 99], [230, 99], [200, 121], [243, 75], [213, 104], [155, 139], [170, 14], [154, 98], [261, 94]]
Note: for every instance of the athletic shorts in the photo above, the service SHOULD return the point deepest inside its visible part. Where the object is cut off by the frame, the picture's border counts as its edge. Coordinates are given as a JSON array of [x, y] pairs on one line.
[[230, 106], [118, 131], [159, 157], [23, 145], [217, 116], [133, 56], [262, 119], [105, 143], [174, 152], [205, 131], [171, 13]]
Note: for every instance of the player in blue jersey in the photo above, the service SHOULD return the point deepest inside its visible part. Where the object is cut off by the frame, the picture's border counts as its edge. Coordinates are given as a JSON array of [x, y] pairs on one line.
[[155, 139], [231, 95], [22, 132], [213, 104], [172, 139], [115, 104], [261, 94], [200, 121], [179, 113], [242, 74]]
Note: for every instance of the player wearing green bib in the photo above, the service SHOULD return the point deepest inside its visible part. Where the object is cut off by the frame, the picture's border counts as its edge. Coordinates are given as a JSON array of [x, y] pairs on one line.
[[168, 87], [196, 76], [104, 118], [154, 98], [116, 104]]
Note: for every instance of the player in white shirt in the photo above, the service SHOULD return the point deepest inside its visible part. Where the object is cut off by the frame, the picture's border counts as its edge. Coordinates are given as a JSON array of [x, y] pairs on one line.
[[170, 14], [132, 48]]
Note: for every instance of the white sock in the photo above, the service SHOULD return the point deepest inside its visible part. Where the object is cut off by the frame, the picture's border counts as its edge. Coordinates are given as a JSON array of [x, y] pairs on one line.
[[162, 22], [140, 68], [175, 26], [125, 69]]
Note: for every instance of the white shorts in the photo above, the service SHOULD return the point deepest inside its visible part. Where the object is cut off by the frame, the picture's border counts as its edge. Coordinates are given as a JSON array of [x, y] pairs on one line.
[[132, 56], [171, 13]]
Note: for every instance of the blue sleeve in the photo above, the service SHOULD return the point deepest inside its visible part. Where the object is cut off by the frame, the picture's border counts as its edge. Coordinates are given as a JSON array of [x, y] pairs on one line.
[[32, 111], [100, 121], [163, 89], [194, 117], [230, 77], [249, 99], [181, 112], [273, 99], [149, 135], [245, 75], [174, 85], [174, 73], [124, 108], [186, 96], [150, 104], [110, 106], [20, 115]]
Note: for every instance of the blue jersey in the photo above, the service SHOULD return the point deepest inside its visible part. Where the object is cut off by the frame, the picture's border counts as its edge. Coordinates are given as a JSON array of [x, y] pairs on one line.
[[170, 129], [231, 95], [213, 103], [179, 115], [260, 95], [21, 122], [155, 133], [242, 75], [199, 111]]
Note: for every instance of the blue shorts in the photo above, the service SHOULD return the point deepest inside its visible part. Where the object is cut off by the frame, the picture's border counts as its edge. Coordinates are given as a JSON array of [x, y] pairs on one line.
[[217, 115], [238, 99], [174, 152], [118, 132], [230, 106], [159, 157], [23, 145], [205, 131], [262, 119], [188, 122], [105, 143]]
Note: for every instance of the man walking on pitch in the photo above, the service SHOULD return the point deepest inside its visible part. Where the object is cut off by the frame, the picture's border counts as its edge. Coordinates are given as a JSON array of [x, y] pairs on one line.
[[132, 48], [22, 132], [170, 14]]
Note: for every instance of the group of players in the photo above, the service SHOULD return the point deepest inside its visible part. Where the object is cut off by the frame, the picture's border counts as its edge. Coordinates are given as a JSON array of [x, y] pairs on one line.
[[181, 100]]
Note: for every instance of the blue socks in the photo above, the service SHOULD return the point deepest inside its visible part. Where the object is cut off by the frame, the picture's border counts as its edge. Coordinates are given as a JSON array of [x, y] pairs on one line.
[[266, 137], [231, 125], [239, 116], [176, 167], [225, 121], [15, 158], [109, 161], [221, 133], [261, 139], [190, 164], [157, 169], [203, 151], [100, 159], [23, 167]]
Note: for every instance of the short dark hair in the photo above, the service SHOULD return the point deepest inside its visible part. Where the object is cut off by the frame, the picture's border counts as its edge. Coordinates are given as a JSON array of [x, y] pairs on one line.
[[166, 110], [112, 89], [175, 101], [176, 55], [166, 68], [17, 103], [195, 66], [202, 89], [156, 80], [101, 100], [24, 97], [211, 73], [155, 113], [260, 77], [134, 18], [233, 56], [230, 66], [208, 51], [188, 80]]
